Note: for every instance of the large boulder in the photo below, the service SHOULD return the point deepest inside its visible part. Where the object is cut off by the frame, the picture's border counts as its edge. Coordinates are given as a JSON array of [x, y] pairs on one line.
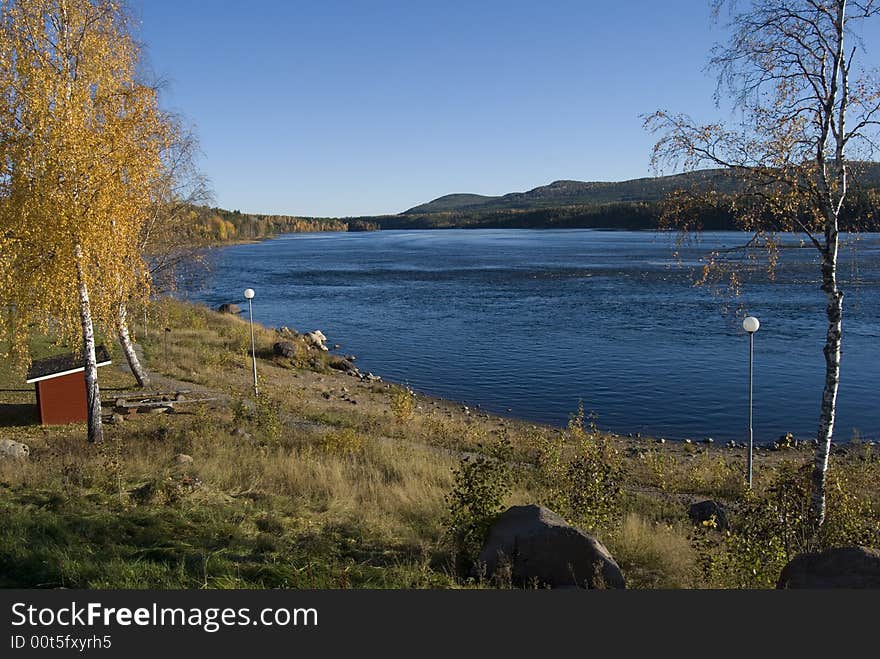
[[285, 349], [541, 548], [229, 307], [703, 511], [316, 339], [841, 567], [345, 366], [14, 450]]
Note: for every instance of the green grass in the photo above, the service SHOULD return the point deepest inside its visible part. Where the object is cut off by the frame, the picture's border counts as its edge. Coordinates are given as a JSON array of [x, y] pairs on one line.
[[54, 541]]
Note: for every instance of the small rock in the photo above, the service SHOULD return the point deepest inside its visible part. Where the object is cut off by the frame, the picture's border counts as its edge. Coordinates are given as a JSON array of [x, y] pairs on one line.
[[117, 419], [687, 441], [229, 307], [316, 339], [183, 459], [14, 450], [661, 441]]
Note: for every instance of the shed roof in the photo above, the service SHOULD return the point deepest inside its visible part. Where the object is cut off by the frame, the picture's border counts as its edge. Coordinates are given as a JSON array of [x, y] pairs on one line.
[[55, 367]]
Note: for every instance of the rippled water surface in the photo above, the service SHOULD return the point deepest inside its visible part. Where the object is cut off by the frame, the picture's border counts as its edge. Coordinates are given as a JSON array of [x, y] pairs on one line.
[[529, 322]]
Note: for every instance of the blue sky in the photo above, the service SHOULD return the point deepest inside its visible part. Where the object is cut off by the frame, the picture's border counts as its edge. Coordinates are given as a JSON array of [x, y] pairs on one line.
[[338, 108]]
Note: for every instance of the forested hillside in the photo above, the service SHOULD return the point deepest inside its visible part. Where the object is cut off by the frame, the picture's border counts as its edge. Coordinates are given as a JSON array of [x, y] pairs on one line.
[[634, 204]]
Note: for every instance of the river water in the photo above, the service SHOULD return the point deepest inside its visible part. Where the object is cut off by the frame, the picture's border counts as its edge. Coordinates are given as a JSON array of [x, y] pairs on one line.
[[528, 323]]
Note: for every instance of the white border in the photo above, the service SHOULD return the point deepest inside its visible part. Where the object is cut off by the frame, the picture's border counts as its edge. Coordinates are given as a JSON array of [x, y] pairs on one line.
[[58, 375]]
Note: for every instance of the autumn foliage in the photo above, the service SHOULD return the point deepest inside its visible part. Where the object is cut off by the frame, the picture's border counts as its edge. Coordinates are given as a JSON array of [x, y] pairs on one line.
[[81, 138]]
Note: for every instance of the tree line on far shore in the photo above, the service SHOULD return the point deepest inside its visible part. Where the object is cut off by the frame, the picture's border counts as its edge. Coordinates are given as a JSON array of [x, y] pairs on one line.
[[719, 213], [217, 225]]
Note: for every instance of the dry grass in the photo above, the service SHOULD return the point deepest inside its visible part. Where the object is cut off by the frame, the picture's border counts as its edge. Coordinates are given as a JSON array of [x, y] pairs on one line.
[[307, 488], [654, 554]]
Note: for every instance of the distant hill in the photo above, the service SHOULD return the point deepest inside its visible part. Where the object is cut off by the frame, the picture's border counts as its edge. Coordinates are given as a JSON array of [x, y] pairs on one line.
[[633, 204], [597, 193]]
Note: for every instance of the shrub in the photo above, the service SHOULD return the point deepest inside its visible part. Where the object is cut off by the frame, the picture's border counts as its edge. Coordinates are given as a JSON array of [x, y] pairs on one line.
[[267, 417], [403, 403], [263, 416], [715, 476], [582, 474], [773, 526], [852, 518], [660, 468], [481, 484], [344, 441]]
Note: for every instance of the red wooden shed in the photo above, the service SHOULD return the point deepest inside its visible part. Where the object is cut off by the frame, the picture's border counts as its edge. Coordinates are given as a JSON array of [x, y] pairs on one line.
[[61, 387]]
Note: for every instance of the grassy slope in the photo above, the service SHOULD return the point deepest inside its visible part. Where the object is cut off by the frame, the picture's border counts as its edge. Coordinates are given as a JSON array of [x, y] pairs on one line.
[[326, 493]]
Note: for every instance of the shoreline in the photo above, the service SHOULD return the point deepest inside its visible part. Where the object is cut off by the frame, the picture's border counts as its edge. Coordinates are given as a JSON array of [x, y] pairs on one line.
[[555, 406], [465, 409]]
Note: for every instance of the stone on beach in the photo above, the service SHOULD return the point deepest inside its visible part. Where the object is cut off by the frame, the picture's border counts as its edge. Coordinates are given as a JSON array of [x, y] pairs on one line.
[[840, 567], [229, 307], [316, 339], [285, 349], [541, 547]]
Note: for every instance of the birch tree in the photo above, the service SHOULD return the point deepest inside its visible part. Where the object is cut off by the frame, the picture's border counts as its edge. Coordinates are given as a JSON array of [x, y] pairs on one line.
[[169, 236], [80, 144], [809, 107]]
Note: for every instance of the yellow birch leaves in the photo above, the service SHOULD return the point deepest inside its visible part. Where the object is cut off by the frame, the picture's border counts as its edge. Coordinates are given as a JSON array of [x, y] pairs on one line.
[[81, 140]]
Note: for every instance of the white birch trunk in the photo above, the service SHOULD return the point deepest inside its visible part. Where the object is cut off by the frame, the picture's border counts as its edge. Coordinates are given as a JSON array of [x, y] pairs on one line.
[[834, 313], [90, 362], [140, 374]]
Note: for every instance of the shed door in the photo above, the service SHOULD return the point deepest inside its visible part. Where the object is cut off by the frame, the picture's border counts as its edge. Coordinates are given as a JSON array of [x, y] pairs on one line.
[[63, 400]]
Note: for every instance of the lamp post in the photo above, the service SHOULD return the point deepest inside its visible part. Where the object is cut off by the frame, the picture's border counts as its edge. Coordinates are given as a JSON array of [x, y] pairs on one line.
[[751, 325], [249, 294]]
